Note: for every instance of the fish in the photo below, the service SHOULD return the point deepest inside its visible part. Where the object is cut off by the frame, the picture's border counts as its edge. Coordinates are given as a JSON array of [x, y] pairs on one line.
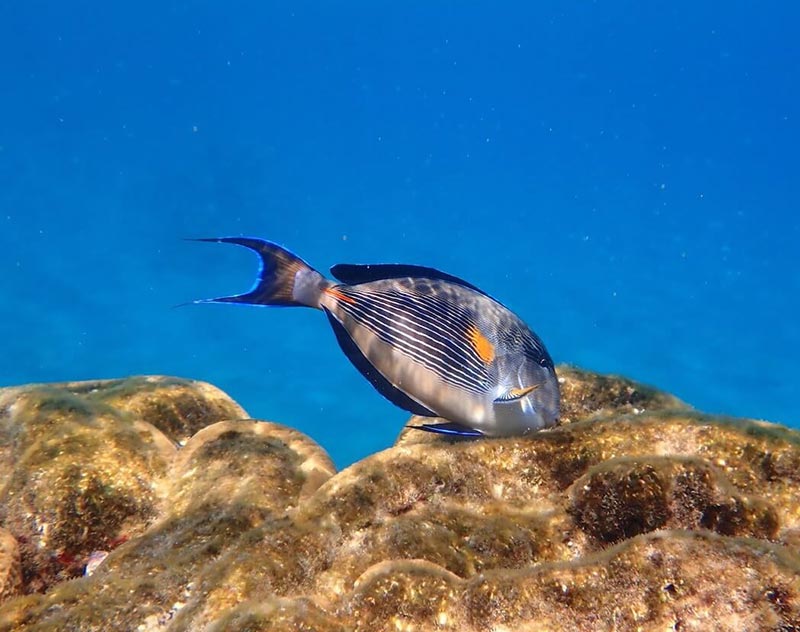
[[429, 342]]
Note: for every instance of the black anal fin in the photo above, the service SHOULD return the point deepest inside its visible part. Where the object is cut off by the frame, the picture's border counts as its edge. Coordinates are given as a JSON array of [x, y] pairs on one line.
[[368, 370]]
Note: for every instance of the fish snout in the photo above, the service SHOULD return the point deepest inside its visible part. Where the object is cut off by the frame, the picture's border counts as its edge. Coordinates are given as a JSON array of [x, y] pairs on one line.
[[531, 406]]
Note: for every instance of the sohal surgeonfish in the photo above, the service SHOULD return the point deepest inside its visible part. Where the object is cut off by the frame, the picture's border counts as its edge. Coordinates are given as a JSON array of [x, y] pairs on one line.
[[429, 342]]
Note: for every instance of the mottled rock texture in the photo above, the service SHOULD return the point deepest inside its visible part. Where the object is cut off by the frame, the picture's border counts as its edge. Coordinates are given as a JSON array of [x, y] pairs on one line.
[[10, 566], [637, 513]]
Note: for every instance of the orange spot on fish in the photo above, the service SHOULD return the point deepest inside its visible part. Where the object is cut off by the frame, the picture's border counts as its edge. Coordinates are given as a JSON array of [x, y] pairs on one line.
[[339, 295], [481, 344]]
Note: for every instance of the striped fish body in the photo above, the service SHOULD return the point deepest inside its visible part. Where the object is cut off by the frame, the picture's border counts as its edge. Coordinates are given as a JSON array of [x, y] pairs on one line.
[[431, 343]]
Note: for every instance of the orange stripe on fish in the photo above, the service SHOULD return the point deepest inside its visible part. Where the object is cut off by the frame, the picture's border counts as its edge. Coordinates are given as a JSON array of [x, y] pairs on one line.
[[339, 295], [481, 344]]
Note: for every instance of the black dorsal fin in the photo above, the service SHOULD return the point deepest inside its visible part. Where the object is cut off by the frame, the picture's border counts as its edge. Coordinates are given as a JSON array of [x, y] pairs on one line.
[[353, 274], [368, 370]]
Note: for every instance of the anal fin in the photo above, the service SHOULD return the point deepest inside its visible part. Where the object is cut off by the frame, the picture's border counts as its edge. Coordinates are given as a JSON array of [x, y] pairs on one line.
[[449, 428]]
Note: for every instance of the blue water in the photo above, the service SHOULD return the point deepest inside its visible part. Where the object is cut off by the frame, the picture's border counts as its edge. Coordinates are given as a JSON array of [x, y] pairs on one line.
[[624, 175]]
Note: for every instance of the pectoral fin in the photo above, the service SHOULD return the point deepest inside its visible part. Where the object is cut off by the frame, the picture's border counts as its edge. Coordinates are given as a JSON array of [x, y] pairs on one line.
[[515, 394]]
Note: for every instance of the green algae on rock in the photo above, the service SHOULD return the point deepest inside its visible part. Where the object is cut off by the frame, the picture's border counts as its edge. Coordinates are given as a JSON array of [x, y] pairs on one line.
[[80, 477], [83, 471], [588, 395], [624, 497], [666, 580], [177, 407], [638, 514]]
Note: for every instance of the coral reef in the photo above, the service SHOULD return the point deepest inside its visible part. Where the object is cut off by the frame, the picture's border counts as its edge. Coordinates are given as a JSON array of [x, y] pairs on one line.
[[637, 513]]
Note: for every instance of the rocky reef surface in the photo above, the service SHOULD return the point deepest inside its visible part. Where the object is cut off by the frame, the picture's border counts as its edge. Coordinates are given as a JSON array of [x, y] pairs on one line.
[[154, 503]]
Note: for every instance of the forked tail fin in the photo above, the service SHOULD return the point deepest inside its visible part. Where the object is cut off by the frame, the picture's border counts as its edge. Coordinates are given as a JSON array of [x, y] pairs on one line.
[[284, 279]]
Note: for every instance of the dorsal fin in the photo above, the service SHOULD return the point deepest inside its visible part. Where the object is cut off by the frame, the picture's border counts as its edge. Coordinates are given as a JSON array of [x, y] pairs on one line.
[[353, 274]]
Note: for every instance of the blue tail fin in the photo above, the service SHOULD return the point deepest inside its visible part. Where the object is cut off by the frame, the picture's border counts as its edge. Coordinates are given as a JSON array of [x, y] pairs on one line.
[[284, 279]]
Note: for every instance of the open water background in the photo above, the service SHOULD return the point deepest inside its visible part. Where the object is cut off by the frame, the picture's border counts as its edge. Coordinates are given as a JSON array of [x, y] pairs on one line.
[[624, 175]]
